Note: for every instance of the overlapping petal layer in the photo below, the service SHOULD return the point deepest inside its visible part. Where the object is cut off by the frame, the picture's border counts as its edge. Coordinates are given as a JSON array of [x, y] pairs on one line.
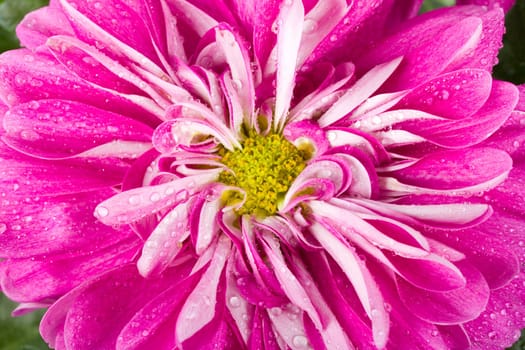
[[402, 229]]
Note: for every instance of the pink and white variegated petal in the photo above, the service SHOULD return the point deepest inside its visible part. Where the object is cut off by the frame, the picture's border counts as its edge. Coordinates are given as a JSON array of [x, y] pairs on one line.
[[26, 76], [449, 307], [96, 26], [290, 18], [204, 226], [132, 205], [157, 319], [318, 22], [324, 95], [307, 135], [346, 219], [195, 314], [361, 279], [325, 176], [240, 309], [92, 65], [197, 19], [460, 214], [359, 92], [301, 291], [165, 242], [238, 60]]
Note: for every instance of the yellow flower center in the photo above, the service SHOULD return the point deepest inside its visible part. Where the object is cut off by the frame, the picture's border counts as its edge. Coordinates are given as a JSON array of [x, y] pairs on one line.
[[265, 168]]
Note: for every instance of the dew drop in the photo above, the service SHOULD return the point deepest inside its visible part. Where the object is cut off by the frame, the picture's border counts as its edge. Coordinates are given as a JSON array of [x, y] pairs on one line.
[[155, 197], [492, 335], [309, 26], [145, 333], [29, 135], [516, 144], [333, 38], [331, 135], [3, 227], [276, 311], [235, 301], [434, 333], [300, 341], [134, 200], [102, 211]]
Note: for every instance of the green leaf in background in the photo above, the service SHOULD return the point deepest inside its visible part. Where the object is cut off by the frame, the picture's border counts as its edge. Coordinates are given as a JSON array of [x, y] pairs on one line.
[[511, 65], [11, 13], [20, 333]]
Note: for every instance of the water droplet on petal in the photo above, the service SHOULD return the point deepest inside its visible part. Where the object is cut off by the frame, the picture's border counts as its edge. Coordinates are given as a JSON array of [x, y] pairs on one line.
[[492, 335], [235, 301], [310, 26], [333, 38], [3, 227], [300, 341], [102, 211], [155, 197]]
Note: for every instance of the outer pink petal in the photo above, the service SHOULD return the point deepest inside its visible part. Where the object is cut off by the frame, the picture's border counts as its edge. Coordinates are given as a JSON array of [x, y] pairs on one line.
[[51, 276], [27, 76], [452, 95], [110, 300], [500, 324], [505, 4], [68, 223], [450, 307], [471, 130], [39, 25], [449, 170], [59, 128]]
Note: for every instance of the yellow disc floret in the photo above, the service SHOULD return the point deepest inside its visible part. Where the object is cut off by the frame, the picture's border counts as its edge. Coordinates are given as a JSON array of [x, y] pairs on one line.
[[265, 168]]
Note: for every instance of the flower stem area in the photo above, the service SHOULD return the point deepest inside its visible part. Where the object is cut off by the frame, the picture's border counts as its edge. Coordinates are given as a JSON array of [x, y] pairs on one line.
[[19, 333]]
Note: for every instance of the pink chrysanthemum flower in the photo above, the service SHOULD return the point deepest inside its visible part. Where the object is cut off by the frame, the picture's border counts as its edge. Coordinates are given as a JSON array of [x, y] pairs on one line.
[[263, 175]]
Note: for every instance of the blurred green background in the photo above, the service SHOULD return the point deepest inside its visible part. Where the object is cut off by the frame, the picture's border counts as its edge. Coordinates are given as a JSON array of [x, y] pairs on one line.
[[21, 333]]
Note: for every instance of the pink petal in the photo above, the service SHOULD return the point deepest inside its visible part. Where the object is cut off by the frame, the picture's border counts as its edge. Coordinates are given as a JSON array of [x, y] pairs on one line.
[[69, 225], [457, 169], [499, 326], [39, 25], [425, 52], [165, 242], [199, 308], [151, 199], [35, 128], [26, 76], [470, 130], [290, 18], [449, 307], [361, 280], [48, 277], [152, 326], [454, 95], [94, 24], [359, 92], [505, 4]]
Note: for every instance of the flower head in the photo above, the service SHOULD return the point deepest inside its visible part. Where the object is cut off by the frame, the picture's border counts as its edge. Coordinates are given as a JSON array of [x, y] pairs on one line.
[[264, 175]]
